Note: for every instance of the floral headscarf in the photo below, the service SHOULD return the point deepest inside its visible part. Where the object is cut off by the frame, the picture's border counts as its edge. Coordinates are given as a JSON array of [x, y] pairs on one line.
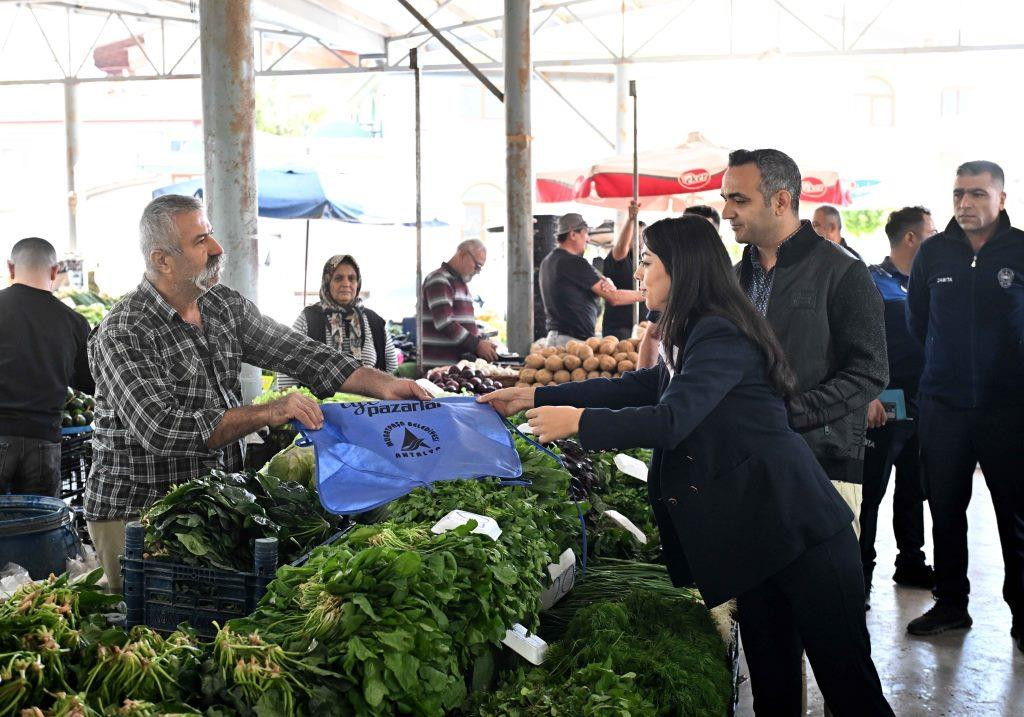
[[344, 320]]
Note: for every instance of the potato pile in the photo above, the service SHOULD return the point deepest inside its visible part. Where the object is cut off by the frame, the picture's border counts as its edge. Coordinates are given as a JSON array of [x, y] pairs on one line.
[[580, 360]]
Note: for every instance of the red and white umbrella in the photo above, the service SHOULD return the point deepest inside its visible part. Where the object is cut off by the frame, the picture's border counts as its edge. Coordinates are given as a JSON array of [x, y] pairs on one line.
[[696, 166], [668, 179]]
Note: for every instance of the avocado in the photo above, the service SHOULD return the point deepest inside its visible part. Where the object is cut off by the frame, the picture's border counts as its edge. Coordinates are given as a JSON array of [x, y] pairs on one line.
[[88, 415], [76, 404], [65, 419], [79, 420]]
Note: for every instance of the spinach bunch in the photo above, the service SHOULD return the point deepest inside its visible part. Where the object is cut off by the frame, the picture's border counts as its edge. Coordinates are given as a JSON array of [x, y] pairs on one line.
[[213, 521], [379, 613]]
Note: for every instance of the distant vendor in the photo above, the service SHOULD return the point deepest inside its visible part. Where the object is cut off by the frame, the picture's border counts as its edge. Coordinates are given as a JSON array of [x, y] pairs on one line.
[[167, 360], [572, 288]]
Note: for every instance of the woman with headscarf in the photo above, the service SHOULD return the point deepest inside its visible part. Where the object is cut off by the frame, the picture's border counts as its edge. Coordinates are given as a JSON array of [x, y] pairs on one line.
[[340, 320]]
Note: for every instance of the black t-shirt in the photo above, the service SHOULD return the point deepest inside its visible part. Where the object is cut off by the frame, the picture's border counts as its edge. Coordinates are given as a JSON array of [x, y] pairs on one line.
[[42, 352], [565, 285], [618, 320]]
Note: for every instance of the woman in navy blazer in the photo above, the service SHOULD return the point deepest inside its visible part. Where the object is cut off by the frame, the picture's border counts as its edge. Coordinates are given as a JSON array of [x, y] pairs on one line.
[[742, 506]]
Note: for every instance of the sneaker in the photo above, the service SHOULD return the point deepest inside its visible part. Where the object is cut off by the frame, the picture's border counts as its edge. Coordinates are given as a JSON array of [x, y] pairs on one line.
[[915, 576], [943, 616]]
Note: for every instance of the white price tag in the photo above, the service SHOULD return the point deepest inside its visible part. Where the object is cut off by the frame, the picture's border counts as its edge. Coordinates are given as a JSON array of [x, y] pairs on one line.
[[628, 525], [430, 387], [631, 466], [484, 525], [563, 577], [529, 646], [526, 429]]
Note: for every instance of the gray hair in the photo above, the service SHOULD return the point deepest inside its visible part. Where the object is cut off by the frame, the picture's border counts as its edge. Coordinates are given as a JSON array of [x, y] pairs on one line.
[[157, 231], [778, 172], [832, 213], [981, 166], [33, 253], [471, 244]]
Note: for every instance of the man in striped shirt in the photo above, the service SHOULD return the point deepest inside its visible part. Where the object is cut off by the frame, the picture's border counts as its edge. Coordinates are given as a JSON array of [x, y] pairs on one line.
[[449, 324]]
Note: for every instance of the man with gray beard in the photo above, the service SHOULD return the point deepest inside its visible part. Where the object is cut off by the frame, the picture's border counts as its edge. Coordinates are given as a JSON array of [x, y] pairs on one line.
[[166, 361]]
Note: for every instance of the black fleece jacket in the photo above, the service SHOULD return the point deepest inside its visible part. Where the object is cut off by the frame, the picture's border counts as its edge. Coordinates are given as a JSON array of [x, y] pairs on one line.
[[829, 318]]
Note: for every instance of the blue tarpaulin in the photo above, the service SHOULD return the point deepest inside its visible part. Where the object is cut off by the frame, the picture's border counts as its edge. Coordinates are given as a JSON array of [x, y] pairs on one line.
[[298, 194]]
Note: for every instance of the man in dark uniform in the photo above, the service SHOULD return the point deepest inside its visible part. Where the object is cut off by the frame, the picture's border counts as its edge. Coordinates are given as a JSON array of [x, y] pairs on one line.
[[966, 307], [893, 443]]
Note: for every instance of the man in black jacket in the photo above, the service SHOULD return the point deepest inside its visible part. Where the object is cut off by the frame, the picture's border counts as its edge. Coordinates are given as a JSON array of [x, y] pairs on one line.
[[823, 306], [966, 306], [42, 352]]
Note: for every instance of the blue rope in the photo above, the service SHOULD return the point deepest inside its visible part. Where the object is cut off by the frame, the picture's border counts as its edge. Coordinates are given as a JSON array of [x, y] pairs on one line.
[[561, 462]]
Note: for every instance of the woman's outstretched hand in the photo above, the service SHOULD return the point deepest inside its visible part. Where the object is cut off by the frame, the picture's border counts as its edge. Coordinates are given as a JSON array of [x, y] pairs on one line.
[[509, 401], [551, 423]]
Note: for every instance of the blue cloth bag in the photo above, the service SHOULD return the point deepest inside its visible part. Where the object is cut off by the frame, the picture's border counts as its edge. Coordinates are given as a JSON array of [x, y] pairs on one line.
[[368, 454]]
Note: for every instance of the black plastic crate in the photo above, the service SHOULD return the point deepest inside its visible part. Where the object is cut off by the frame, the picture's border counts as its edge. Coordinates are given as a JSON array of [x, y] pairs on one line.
[[75, 462], [163, 595]]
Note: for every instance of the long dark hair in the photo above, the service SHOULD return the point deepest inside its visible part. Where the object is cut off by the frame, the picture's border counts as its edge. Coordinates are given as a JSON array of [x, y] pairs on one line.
[[703, 284]]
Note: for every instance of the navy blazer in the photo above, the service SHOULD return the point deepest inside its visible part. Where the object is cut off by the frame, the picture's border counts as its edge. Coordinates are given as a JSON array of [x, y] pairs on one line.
[[736, 493]]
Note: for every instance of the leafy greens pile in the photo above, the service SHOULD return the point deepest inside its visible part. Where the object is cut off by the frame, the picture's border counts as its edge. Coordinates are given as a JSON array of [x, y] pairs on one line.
[[213, 521]]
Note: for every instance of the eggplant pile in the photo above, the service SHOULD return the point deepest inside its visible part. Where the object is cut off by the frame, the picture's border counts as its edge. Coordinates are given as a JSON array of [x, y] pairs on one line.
[[454, 379], [581, 467]]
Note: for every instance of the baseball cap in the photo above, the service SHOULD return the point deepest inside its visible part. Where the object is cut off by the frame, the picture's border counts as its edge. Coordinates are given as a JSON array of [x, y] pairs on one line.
[[570, 223]]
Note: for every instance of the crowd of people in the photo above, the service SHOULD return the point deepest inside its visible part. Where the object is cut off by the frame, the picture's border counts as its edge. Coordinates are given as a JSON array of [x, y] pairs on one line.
[[916, 363], [779, 394]]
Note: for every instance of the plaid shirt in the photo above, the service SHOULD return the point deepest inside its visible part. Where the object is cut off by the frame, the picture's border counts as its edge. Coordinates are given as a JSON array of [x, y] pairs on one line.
[[162, 386]]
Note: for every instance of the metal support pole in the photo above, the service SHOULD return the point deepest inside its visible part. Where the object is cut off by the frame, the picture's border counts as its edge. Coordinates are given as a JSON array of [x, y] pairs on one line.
[[519, 176], [71, 145], [414, 64], [636, 197], [305, 270], [229, 105]]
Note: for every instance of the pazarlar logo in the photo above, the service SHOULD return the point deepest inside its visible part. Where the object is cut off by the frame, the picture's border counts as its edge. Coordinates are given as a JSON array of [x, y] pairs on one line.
[[414, 440]]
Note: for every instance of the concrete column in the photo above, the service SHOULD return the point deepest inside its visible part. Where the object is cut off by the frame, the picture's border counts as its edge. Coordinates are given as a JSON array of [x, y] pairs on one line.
[[519, 175], [71, 145], [229, 104]]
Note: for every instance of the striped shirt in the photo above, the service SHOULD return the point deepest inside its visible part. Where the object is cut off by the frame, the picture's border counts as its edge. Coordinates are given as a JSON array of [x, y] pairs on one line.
[[449, 323], [163, 385], [367, 357]]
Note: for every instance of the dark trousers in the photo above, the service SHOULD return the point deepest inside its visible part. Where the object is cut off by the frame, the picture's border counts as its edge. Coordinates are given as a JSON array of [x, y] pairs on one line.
[[29, 466], [953, 442], [816, 603], [893, 445]]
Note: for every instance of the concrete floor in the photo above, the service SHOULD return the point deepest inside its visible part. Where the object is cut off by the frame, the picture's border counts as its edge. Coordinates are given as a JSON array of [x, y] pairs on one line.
[[976, 672]]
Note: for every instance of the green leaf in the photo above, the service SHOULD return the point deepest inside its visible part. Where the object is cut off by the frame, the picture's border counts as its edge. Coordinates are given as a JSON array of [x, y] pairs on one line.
[[406, 565], [505, 573], [400, 640], [193, 543], [364, 605], [374, 691]]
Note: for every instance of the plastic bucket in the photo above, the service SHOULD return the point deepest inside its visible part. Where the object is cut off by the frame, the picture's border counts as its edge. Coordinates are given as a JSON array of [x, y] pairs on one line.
[[37, 532]]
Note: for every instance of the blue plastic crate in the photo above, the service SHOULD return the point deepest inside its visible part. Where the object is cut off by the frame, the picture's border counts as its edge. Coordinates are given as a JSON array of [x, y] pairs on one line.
[[75, 462], [162, 595]]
